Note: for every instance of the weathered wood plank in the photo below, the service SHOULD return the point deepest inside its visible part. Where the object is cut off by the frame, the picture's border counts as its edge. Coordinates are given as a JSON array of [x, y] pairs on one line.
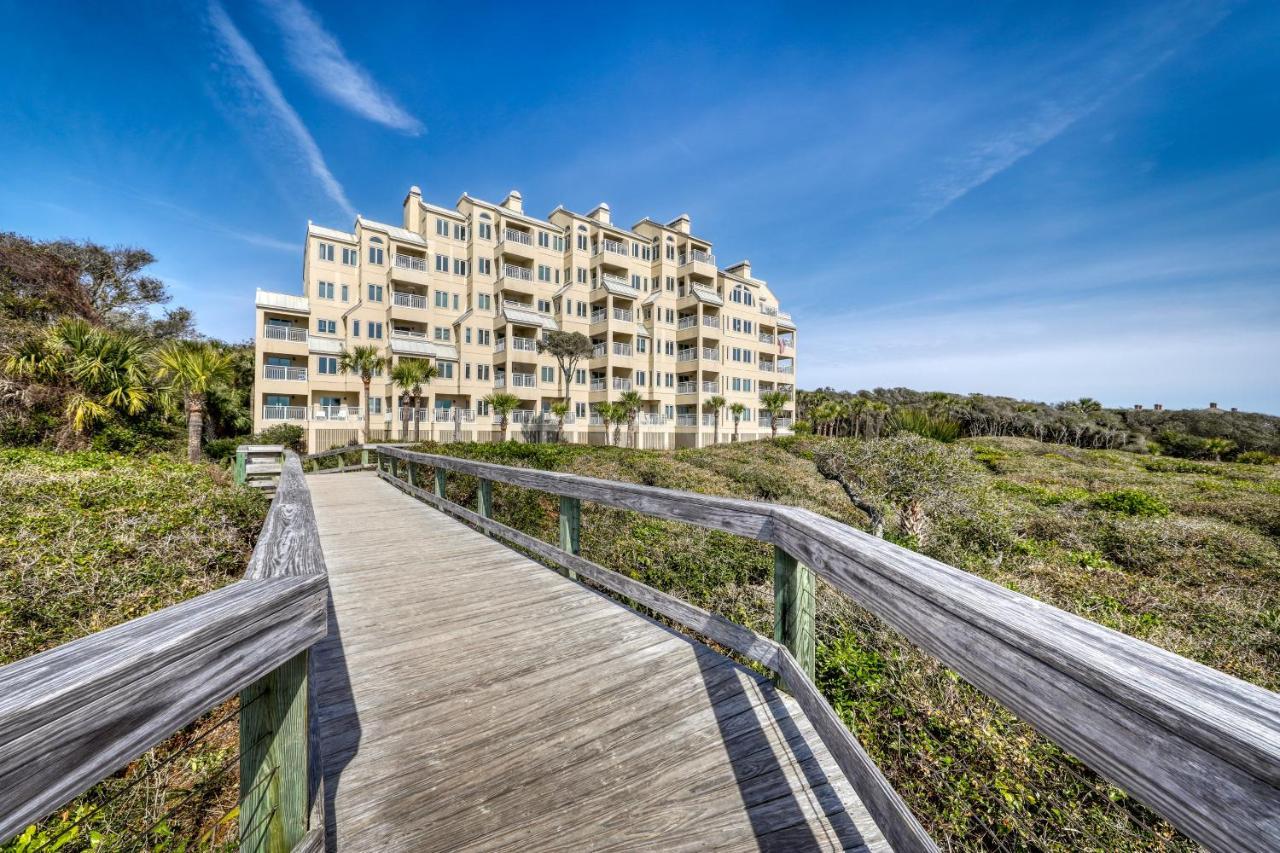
[[794, 591], [273, 759], [73, 715], [289, 543]]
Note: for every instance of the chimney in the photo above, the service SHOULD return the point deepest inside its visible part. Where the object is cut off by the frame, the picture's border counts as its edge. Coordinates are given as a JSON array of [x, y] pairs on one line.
[[742, 268], [1137, 407], [1159, 407], [681, 223], [413, 210], [601, 213], [1213, 407], [514, 201]]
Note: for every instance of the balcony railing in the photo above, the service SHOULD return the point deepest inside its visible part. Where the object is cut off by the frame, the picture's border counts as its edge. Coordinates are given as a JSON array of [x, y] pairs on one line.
[[599, 350], [513, 236], [687, 354], [409, 262], [686, 420], [279, 371], [336, 413], [523, 416], [409, 300], [614, 246], [652, 419], [710, 354], [787, 343], [697, 257], [620, 384], [766, 338], [284, 333], [766, 366], [600, 315], [284, 413], [765, 309], [443, 415], [408, 333], [786, 368], [686, 387], [513, 271], [524, 380], [621, 349], [712, 322], [599, 385], [783, 422], [687, 322]]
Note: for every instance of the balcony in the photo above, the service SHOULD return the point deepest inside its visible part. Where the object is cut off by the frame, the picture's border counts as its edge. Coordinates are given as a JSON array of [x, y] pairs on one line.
[[515, 242], [620, 384], [614, 247], [601, 349], [516, 272], [697, 257], [409, 300], [518, 380], [766, 366], [698, 263], [409, 268], [705, 353], [783, 422], [336, 413], [600, 315], [686, 420], [710, 387], [284, 413], [407, 333], [516, 344], [687, 322], [514, 236], [276, 332], [766, 338], [524, 416], [442, 415], [786, 368], [686, 387], [289, 374], [599, 385], [711, 322], [687, 354], [652, 419]]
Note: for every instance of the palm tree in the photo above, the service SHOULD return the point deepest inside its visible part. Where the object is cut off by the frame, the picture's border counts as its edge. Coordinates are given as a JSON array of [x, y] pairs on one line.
[[737, 410], [824, 416], [411, 375], [560, 409], [713, 406], [613, 414], [364, 361], [877, 410], [503, 404], [774, 404], [192, 370], [100, 370], [857, 406], [632, 402]]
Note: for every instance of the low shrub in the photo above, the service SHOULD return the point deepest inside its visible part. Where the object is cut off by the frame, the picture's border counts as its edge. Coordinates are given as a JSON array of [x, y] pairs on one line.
[[1258, 457], [290, 435], [924, 424], [222, 449], [1130, 502]]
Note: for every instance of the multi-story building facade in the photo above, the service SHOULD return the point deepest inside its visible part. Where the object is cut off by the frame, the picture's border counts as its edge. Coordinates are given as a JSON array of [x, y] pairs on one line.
[[472, 289]]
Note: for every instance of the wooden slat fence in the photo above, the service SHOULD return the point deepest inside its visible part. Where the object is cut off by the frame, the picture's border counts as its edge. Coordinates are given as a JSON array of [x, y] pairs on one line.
[[73, 715], [1197, 746]]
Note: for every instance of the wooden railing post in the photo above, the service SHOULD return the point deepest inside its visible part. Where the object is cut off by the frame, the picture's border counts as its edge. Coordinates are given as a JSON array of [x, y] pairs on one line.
[[413, 473], [273, 759], [793, 609], [440, 482], [242, 459], [570, 529], [484, 498], [364, 456]]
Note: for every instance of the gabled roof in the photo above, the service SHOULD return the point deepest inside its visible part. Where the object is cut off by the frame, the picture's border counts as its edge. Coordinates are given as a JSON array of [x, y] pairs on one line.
[[620, 289], [651, 298], [421, 346], [708, 296], [529, 318], [503, 211], [404, 235], [330, 233], [608, 226]]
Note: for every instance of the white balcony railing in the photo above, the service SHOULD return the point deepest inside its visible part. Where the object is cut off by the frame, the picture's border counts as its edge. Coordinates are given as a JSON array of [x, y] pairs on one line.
[[787, 343], [600, 315], [443, 415], [336, 413], [766, 338], [784, 422], [786, 368], [523, 416], [511, 235], [284, 413], [524, 380], [513, 271], [408, 333], [697, 257], [686, 387], [712, 322], [710, 387], [710, 354], [620, 384], [409, 262], [687, 354], [284, 333], [621, 349], [409, 300], [766, 366], [652, 419], [615, 246], [686, 420], [599, 350], [598, 385], [278, 371], [687, 322], [618, 280]]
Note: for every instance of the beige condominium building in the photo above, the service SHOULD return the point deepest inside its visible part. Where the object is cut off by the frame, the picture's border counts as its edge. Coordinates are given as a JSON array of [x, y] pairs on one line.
[[473, 289]]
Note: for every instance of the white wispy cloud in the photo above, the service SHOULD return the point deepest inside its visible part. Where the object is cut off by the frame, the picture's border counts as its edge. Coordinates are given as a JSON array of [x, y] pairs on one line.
[[1065, 94], [259, 85], [317, 55]]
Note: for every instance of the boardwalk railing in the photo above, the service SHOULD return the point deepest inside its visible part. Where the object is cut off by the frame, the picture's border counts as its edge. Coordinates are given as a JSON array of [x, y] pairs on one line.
[[1197, 746], [73, 715]]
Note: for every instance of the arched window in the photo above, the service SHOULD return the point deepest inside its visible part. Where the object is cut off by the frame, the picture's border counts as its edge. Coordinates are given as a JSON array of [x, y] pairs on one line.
[[485, 216], [582, 228], [375, 239]]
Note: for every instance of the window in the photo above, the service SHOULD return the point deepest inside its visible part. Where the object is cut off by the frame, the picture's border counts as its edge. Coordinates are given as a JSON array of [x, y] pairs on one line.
[[442, 228], [580, 409], [671, 316], [670, 347], [459, 231], [671, 379], [324, 251], [544, 239], [559, 243], [327, 365], [455, 302], [445, 368], [642, 344], [486, 231], [350, 257], [582, 242], [345, 295], [671, 250], [737, 324], [459, 266], [375, 330], [442, 333], [548, 374], [582, 275], [442, 299], [327, 327], [544, 306], [748, 326], [484, 337], [635, 281], [355, 328], [580, 376], [375, 252], [640, 379], [486, 266], [467, 334], [482, 372], [544, 273], [442, 263], [635, 250], [482, 408], [324, 290], [737, 384], [746, 384], [375, 405], [484, 301], [671, 283], [582, 309], [375, 293]]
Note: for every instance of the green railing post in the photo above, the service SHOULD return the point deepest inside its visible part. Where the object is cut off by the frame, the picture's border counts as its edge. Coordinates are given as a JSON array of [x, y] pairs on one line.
[[484, 498], [570, 529], [242, 459], [793, 609], [440, 475], [364, 457], [273, 759], [413, 473]]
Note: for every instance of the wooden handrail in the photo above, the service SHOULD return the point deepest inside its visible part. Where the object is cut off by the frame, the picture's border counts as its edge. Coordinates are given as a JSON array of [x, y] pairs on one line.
[[1198, 746], [71, 716]]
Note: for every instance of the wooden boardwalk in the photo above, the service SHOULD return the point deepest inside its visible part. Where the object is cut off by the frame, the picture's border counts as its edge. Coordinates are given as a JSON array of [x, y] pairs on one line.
[[473, 699]]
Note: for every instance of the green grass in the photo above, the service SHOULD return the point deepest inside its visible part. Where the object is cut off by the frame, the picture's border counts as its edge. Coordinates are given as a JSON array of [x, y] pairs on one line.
[[89, 540], [1180, 554]]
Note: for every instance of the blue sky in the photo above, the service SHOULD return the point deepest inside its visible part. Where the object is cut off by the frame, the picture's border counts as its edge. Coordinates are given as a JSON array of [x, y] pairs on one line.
[[1043, 200]]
